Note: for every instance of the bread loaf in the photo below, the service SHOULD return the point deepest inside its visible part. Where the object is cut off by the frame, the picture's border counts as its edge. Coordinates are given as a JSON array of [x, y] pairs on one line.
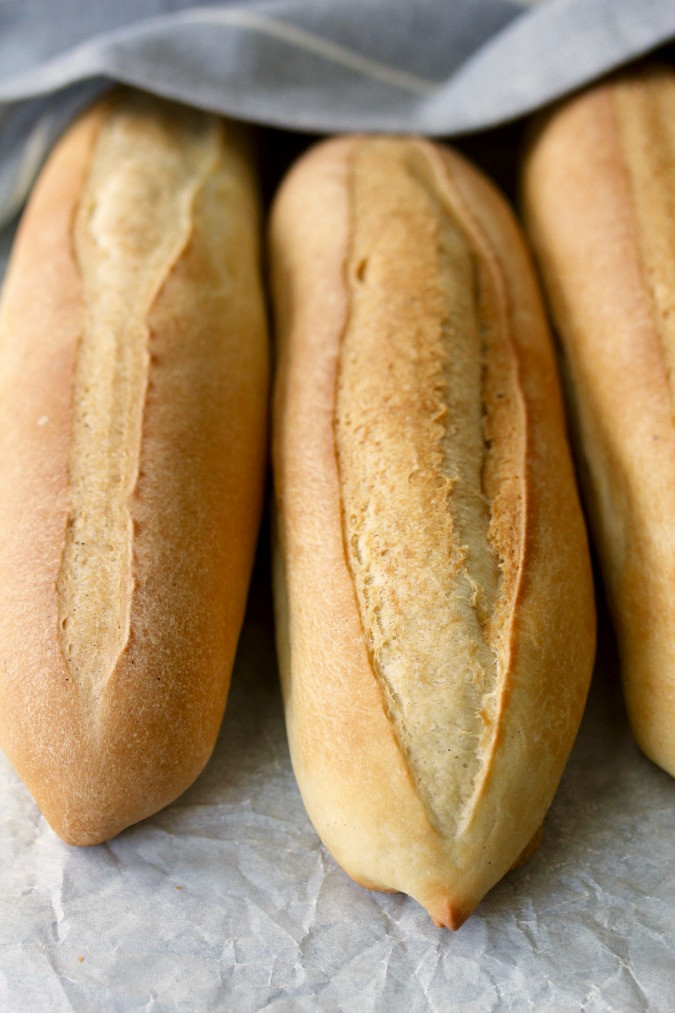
[[433, 588], [599, 199], [133, 376]]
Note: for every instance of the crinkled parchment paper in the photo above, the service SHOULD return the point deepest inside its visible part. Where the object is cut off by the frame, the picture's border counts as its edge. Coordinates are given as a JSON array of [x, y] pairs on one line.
[[227, 900]]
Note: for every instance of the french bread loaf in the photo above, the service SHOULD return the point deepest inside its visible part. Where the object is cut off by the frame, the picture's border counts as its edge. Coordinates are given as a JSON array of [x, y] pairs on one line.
[[599, 201], [133, 380], [433, 590]]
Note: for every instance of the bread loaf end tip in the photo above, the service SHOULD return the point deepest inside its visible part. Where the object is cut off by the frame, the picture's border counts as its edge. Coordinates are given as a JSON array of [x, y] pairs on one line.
[[449, 915]]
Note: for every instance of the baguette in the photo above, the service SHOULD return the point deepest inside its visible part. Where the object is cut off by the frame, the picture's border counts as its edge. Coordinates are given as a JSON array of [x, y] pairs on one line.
[[433, 589], [599, 201], [133, 378]]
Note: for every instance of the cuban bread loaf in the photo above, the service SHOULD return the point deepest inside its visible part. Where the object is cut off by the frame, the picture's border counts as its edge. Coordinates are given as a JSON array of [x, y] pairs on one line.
[[133, 385], [433, 588], [599, 201]]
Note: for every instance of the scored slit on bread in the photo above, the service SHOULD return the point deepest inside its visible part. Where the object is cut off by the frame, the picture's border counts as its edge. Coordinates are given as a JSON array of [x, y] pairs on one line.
[[428, 405]]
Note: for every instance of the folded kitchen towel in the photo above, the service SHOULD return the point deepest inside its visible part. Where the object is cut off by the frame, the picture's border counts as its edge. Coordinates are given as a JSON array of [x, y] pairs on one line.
[[440, 67]]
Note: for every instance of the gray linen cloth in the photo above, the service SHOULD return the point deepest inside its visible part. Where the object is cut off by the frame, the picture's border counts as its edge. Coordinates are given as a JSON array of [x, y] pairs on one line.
[[439, 67]]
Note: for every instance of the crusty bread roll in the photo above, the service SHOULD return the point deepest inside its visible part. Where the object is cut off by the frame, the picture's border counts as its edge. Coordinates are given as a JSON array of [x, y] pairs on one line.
[[599, 199], [133, 376], [435, 610]]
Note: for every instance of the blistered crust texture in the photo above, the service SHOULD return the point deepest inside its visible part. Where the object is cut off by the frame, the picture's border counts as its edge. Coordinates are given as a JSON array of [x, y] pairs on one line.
[[416, 438]]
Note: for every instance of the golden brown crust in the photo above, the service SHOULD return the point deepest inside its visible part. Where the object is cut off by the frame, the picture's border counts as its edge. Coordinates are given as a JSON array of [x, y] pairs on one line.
[[366, 776], [106, 736], [598, 184]]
